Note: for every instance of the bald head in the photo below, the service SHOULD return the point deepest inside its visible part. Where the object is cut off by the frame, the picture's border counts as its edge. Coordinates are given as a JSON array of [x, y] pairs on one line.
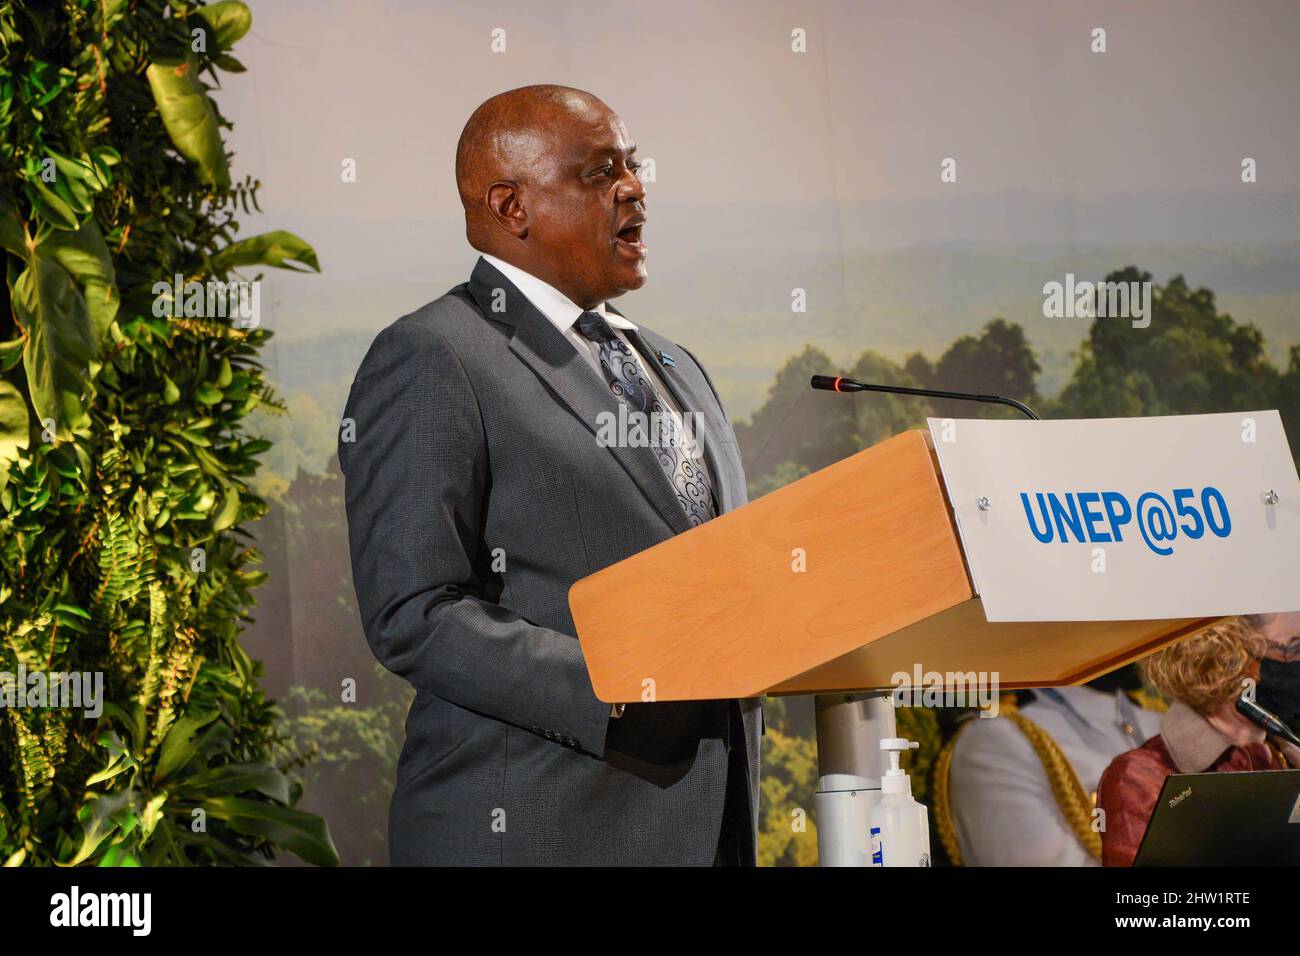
[[548, 180], [513, 136]]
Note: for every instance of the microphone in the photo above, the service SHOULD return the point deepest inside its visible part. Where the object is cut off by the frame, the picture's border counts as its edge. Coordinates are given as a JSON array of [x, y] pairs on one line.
[[834, 383], [1258, 715]]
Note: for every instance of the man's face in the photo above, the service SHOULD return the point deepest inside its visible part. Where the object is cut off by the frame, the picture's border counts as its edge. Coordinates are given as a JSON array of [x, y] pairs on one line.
[[586, 209]]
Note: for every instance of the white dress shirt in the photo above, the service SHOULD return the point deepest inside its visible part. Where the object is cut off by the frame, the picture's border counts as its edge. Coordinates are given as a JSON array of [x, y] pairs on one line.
[[563, 313]]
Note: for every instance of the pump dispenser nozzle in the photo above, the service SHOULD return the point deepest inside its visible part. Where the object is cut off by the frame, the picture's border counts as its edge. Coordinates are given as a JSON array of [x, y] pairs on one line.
[[895, 779]]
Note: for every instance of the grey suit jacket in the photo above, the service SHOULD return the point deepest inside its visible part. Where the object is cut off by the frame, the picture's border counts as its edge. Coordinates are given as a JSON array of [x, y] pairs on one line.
[[477, 494]]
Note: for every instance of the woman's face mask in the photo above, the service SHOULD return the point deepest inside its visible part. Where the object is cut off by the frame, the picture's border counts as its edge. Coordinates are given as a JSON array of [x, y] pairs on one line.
[[1279, 690]]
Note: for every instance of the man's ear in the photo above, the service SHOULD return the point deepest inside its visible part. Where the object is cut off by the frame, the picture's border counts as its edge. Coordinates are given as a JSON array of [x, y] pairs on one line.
[[507, 210]]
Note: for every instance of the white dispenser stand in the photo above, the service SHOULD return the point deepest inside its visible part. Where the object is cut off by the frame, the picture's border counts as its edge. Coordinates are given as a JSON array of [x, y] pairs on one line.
[[849, 730]]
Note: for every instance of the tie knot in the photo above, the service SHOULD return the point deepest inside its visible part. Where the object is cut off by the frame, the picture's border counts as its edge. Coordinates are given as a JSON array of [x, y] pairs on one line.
[[593, 326]]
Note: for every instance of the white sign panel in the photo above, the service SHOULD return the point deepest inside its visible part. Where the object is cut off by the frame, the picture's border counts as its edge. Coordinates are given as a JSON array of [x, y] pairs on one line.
[[1116, 519]]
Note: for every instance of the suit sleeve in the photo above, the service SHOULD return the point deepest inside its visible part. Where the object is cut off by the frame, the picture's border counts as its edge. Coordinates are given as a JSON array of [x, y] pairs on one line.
[[416, 482]]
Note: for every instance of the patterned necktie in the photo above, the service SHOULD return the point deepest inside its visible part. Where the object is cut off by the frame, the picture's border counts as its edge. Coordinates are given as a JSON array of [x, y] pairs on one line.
[[678, 457]]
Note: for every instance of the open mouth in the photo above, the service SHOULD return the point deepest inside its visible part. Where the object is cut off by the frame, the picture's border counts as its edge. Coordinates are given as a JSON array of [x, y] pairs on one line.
[[628, 239]]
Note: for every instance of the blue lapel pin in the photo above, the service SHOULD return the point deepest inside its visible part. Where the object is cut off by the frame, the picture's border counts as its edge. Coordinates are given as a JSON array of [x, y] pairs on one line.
[[666, 360]]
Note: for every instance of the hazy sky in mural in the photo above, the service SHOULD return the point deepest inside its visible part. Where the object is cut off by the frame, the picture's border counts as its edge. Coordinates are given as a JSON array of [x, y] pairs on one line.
[[776, 170]]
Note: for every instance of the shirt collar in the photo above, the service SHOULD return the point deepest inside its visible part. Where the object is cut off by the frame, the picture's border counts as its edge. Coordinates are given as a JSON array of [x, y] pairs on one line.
[[558, 308], [1193, 742]]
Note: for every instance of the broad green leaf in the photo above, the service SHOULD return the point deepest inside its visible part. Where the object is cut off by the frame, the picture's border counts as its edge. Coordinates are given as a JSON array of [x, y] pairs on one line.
[[131, 717], [119, 855], [189, 117], [76, 195], [152, 814], [73, 609], [105, 157], [66, 298], [302, 833], [229, 512], [98, 819], [72, 167], [59, 340], [12, 237], [120, 765], [11, 353], [85, 256], [14, 421], [281, 249], [75, 181], [229, 20], [180, 745], [50, 205], [208, 463], [235, 779]]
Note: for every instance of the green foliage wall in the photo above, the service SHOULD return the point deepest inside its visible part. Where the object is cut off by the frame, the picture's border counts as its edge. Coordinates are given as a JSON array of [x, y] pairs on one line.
[[124, 454]]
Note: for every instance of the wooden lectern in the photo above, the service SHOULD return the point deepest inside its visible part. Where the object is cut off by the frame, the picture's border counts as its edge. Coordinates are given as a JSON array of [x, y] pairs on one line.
[[850, 580], [834, 583]]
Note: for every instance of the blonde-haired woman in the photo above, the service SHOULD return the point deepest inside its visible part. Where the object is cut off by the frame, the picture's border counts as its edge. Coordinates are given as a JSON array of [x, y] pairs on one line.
[[1202, 675]]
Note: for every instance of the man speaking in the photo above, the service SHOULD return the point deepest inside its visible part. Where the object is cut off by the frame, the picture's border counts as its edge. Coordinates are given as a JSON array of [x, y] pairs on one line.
[[481, 484]]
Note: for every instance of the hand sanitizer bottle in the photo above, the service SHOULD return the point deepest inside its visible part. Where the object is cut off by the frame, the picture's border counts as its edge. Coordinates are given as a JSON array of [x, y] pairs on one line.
[[900, 827]]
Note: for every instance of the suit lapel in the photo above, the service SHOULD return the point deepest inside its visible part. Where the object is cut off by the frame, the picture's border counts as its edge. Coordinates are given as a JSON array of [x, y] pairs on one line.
[[554, 360]]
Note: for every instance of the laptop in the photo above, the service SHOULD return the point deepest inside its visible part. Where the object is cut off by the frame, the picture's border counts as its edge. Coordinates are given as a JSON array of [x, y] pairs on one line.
[[1225, 819]]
